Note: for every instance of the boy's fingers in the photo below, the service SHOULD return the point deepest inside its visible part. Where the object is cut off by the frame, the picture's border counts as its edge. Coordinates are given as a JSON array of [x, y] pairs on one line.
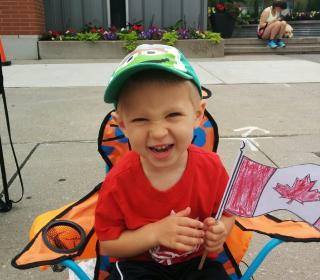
[[184, 213], [191, 232], [190, 241], [214, 237], [209, 221], [213, 244], [189, 222], [216, 248], [218, 228], [183, 247]]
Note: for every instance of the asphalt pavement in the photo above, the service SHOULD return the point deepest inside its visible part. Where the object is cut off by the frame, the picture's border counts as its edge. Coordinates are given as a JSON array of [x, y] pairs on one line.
[[56, 108]]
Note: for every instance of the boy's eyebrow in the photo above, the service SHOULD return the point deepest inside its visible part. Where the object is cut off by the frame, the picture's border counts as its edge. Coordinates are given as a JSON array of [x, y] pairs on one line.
[[175, 107]]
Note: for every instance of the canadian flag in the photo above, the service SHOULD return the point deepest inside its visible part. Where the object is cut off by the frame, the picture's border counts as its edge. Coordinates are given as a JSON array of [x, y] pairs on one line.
[[255, 189]]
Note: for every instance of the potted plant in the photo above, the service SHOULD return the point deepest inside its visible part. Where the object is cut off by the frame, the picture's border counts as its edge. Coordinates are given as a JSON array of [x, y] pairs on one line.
[[223, 15]]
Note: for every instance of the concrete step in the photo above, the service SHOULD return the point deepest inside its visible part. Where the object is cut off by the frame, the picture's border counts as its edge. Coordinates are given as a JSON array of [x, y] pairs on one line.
[[252, 34], [307, 28], [256, 41], [264, 49]]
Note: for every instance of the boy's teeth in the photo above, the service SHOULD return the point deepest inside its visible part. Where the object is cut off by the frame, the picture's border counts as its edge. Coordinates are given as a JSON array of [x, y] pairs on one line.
[[161, 148]]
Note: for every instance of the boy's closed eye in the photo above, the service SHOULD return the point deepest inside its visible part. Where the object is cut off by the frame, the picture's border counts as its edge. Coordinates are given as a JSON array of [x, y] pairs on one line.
[[139, 120], [174, 115]]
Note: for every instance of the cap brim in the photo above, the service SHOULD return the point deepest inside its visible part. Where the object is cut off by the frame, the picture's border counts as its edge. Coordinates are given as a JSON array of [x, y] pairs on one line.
[[111, 94]]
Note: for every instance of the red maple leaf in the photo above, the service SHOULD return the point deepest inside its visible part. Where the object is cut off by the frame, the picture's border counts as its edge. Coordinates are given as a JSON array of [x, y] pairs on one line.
[[300, 191]]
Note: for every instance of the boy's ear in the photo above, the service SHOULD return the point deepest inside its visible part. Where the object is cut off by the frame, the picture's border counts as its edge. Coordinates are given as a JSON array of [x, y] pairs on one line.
[[117, 118], [200, 112]]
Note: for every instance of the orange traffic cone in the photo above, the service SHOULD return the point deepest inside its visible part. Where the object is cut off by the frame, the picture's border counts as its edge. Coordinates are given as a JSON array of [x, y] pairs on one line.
[[3, 56]]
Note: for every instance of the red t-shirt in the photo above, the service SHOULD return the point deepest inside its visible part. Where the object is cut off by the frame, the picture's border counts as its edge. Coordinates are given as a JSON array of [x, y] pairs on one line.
[[128, 201]]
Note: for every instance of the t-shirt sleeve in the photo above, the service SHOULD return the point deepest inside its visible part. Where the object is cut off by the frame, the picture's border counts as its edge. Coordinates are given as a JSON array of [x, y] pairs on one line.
[[109, 222]]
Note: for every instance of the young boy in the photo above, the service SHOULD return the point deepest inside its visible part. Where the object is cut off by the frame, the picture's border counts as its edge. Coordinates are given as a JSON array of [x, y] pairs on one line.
[[154, 213]]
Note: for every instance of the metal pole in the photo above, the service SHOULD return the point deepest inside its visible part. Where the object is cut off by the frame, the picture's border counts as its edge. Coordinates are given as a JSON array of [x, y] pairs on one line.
[[6, 205]]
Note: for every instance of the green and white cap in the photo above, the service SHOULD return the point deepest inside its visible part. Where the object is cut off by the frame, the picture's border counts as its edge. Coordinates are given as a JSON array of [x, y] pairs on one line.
[[145, 57]]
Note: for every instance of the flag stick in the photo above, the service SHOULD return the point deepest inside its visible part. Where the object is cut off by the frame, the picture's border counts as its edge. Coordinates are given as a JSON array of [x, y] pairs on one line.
[[225, 196]]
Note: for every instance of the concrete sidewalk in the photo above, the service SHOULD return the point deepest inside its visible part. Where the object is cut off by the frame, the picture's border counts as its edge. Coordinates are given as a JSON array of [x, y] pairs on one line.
[[274, 69], [56, 108]]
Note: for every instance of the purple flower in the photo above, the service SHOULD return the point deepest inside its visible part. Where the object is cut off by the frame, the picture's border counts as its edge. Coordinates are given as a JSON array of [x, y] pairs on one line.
[[109, 35], [183, 33], [154, 33], [145, 35]]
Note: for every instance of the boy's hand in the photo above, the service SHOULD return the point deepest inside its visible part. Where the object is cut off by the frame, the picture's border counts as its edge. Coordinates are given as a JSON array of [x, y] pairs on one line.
[[215, 235], [179, 232]]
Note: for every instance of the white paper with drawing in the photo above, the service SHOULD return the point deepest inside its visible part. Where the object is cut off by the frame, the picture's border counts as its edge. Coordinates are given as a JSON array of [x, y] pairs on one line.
[[255, 189]]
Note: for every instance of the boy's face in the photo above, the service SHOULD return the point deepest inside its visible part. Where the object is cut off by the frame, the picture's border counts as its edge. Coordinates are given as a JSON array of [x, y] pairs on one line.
[[159, 120]]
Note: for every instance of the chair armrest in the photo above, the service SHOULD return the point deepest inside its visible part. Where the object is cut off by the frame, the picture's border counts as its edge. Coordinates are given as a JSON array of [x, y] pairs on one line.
[[274, 242], [76, 269]]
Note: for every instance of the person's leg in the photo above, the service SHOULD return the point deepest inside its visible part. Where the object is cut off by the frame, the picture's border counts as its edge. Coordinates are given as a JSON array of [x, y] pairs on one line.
[[270, 34], [282, 30], [271, 31], [138, 271], [275, 29], [211, 270]]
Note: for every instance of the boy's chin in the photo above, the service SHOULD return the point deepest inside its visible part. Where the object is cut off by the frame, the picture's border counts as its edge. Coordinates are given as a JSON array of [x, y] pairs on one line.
[[161, 162]]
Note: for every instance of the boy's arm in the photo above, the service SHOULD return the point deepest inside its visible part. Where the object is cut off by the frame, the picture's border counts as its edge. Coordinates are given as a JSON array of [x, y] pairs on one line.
[[130, 243], [177, 232]]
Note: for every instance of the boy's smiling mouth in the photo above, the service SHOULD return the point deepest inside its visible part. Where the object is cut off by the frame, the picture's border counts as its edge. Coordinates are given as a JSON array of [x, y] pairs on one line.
[[161, 148]]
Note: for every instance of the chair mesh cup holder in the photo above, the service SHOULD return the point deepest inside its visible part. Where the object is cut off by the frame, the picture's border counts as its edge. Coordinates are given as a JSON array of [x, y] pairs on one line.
[[63, 236]]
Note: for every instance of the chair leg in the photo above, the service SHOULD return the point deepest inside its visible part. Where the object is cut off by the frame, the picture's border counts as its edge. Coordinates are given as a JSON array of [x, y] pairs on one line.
[[260, 257], [76, 269]]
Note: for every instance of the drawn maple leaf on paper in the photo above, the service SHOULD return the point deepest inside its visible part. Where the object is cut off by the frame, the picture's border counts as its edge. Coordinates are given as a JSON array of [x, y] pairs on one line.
[[300, 191]]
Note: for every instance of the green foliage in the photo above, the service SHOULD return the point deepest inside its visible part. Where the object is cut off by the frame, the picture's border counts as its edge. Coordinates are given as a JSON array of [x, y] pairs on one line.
[[243, 19], [179, 24], [71, 37], [132, 33], [170, 37], [213, 37], [88, 36], [214, 2], [247, 18], [306, 5], [231, 7], [131, 40], [314, 5]]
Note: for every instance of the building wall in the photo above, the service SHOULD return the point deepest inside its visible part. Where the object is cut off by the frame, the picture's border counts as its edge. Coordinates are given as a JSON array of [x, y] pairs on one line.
[[61, 15], [21, 17], [166, 13], [21, 24], [64, 14]]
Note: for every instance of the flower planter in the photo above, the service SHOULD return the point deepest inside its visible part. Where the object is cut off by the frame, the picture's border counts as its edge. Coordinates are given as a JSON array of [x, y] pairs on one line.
[[114, 49], [223, 23]]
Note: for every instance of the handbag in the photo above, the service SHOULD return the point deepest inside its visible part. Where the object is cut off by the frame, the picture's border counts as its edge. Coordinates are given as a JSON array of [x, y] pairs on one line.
[[260, 31]]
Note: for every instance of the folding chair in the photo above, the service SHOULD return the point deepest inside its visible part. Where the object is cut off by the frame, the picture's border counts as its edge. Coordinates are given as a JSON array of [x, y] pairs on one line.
[[63, 236]]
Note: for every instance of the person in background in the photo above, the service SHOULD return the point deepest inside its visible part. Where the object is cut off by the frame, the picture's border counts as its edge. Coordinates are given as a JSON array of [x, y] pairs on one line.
[[271, 27]]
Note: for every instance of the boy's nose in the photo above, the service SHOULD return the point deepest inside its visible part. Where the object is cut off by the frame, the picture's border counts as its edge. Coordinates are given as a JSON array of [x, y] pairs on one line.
[[158, 131]]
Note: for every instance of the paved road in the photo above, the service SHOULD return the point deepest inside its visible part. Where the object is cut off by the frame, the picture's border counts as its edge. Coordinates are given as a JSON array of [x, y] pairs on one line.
[[55, 111]]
